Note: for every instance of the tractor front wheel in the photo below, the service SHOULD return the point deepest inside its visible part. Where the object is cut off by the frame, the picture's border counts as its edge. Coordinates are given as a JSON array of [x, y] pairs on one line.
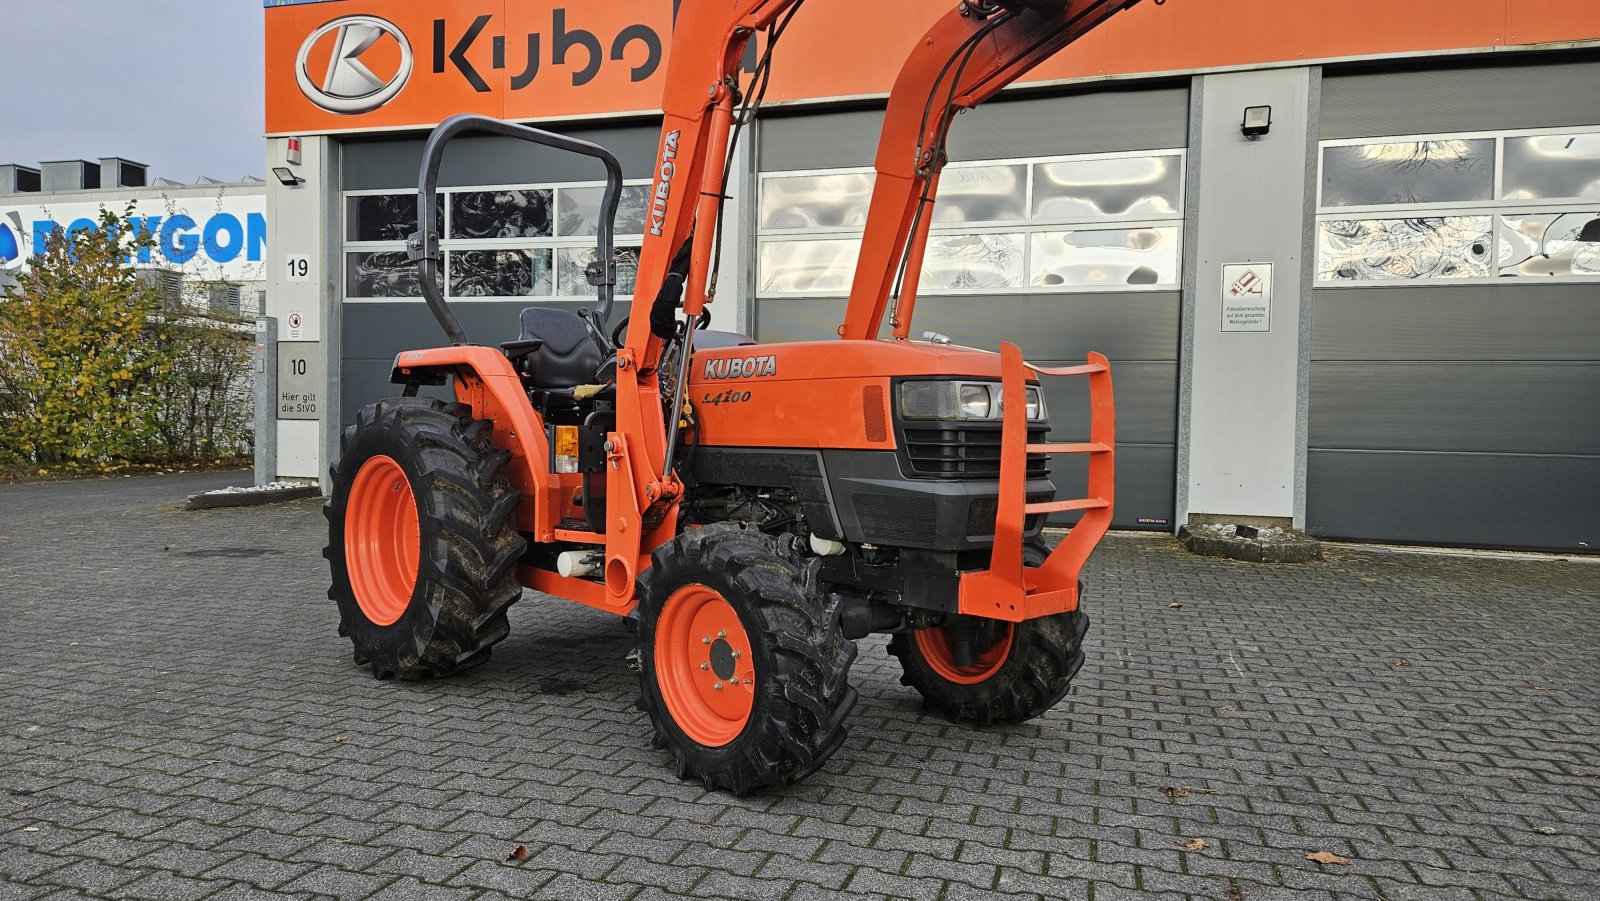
[[422, 541], [1020, 670], [743, 664]]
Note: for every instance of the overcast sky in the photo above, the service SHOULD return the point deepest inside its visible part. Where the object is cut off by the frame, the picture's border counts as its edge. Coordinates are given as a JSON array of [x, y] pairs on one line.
[[177, 84]]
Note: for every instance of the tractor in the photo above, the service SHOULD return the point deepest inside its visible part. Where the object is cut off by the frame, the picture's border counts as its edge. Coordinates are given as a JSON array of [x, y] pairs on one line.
[[752, 509]]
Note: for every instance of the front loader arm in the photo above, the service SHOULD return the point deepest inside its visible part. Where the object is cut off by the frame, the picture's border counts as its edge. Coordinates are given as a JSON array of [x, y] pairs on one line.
[[709, 40], [966, 58]]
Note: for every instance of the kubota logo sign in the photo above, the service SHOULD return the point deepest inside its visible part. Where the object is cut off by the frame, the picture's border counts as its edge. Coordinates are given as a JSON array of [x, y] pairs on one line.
[[349, 82]]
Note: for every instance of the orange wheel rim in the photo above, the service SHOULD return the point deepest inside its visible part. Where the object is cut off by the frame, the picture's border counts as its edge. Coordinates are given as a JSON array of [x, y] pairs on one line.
[[704, 667], [382, 540], [935, 647]]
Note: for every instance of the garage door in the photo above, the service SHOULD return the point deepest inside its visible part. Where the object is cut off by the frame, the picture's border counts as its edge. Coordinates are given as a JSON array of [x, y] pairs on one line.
[[518, 230], [1456, 338], [1059, 227]]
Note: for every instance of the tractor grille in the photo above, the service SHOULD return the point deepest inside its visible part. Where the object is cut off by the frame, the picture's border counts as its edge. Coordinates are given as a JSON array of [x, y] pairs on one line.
[[981, 516], [967, 451]]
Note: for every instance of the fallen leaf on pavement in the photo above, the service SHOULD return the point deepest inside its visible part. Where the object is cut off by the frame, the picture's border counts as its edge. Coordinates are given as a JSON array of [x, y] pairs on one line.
[[1193, 844], [1328, 857], [1174, 606], [1234, 893], [1545, 830], [1172, 791], [1231, 707], [520, 852], [1401, 661], [1537, 687], [1369, 580], [341, 738], [30, 829]]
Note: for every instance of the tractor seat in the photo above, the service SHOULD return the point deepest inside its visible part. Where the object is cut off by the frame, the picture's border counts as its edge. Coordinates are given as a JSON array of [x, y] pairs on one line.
[[568, 356]]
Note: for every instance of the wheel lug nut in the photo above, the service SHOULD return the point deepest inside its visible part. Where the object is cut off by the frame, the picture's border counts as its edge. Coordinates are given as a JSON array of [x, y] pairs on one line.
[[722, 633], [706, 640], [705, 666], [717, 686], [736, 655]]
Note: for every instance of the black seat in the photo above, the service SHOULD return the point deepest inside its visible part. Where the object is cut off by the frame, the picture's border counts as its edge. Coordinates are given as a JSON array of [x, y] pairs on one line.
[[568, 357]]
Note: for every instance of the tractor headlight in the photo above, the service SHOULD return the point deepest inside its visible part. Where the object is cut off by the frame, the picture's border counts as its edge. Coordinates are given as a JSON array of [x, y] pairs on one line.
[[977, 401], [970, 401]]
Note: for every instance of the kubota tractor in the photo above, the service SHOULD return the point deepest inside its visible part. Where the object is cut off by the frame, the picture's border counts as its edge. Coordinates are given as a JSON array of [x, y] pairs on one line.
[[755, 508]]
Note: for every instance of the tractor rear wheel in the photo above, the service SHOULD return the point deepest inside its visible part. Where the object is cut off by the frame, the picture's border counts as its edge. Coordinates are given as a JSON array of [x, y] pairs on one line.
[[1024, 671], [743, 664], [422, 540]]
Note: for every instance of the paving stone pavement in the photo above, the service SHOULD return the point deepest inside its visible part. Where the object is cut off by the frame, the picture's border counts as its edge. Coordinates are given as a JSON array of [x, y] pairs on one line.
[[179, 720]]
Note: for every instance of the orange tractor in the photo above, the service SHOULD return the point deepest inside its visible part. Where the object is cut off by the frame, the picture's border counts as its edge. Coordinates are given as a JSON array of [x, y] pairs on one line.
[[753, 508]]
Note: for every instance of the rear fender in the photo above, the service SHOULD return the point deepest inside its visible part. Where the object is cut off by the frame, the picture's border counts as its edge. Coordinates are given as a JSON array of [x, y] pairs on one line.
[[486, 382]]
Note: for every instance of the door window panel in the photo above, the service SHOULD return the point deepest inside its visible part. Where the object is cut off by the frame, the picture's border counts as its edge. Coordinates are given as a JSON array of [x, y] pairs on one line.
[[982, 194], [500, 273], [384, 217], [835, 200], [1549, 245], [1106, 258], [1551, 167], [580, 210], [381, 274], [963, 262], [808, 267], [1438, 247], [502, 214], [1143, 187], [1447, 171], [572, 265]]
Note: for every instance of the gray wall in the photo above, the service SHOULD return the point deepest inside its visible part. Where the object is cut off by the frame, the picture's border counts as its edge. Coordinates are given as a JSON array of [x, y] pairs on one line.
[[1503, 94], [392, 162], [1242, 397], [375, 331], [1137, 331], [1108, 122], [1457, 414]]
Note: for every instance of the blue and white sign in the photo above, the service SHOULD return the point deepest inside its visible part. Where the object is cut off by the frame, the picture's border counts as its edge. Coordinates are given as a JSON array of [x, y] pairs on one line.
[[221, 238]]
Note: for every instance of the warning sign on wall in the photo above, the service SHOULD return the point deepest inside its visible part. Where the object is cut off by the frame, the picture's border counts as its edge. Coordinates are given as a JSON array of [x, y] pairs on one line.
[[1247, 297]]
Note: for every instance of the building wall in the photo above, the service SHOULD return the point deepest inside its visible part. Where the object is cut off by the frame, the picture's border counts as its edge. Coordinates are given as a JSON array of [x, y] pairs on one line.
[[1426, 411], [28, 217]]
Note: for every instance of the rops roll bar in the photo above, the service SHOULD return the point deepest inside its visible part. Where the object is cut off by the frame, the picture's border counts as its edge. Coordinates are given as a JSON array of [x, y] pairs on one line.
[[423, 247]]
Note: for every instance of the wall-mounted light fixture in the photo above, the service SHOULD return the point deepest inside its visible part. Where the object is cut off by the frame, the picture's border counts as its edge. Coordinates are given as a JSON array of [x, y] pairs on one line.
[[291, 152], [1257, 121], [287, 177]]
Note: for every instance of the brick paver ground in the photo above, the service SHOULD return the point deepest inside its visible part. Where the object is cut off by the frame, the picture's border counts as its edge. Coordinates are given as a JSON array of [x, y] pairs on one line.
[[179, 720]]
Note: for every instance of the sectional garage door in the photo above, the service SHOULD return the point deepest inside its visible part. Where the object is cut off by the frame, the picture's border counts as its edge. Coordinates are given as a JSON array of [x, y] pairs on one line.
[[1455, 376], [1059, 227], [519, 229]]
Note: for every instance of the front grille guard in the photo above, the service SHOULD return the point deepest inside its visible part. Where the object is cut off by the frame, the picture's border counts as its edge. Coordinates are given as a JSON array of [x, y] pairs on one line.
[[1009, 590]]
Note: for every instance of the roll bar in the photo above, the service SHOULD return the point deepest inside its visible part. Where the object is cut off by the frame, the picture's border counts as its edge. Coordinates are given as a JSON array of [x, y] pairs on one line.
[[422, 248]]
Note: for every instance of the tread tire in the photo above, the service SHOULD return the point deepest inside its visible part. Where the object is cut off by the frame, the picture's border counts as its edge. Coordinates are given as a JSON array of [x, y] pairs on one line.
[[1037, 673], [802, 659], [469, 542]]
